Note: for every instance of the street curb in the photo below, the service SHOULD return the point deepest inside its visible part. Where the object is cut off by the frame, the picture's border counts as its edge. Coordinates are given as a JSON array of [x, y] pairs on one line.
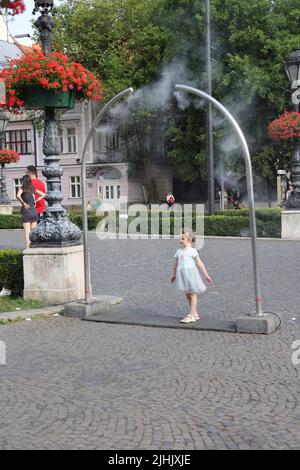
[[208, 237], [29, 314]]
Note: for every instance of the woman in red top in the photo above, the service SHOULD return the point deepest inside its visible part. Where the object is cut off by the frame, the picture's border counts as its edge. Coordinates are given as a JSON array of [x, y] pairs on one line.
[[39, 186]]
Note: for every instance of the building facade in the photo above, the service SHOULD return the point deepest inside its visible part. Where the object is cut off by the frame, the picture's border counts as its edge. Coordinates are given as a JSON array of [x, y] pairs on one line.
[[107, 171]]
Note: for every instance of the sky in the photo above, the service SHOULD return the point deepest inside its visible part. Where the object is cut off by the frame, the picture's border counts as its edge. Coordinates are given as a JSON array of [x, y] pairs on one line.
[[21, 24]]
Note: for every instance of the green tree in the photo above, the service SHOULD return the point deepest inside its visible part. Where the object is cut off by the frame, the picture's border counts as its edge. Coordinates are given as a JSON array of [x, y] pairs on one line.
[[128, 41]]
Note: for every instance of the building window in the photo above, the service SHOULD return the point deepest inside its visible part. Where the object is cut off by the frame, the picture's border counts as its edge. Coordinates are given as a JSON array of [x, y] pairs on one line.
[[115, 141], [75, 187], [19, 140], [71, 138], [17, 186], [118, 192]]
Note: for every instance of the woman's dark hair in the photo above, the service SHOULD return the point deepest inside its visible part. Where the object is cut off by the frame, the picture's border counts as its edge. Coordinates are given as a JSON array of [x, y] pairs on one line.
[[27, 185], [32, 169]]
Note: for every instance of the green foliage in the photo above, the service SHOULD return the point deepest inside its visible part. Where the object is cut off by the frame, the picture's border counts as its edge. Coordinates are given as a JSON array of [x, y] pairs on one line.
[[93, 220], [266, 215], [231, 223], [224, 226], [128, 41], [10, 222], [11, 270], [11, 304]]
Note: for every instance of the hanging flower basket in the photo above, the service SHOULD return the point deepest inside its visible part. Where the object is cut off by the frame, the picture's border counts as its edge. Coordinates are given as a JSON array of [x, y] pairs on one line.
[[286, 128], [64, 81], [13, 6], [39, 97], [9, 156]]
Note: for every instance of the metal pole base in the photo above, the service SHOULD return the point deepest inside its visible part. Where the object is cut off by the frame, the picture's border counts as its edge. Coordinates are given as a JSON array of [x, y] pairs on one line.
[[293, 201], [55, 230], [265, 324], [4, 199], [96, 305]]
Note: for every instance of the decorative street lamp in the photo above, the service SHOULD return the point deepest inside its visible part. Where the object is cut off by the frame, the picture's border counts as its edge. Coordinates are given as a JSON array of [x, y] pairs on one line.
[[55, 229], [292, 68], [4, 198]]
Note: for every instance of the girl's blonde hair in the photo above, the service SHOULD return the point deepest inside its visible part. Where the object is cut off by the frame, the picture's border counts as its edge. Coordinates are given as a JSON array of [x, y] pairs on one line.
[[191, 238]]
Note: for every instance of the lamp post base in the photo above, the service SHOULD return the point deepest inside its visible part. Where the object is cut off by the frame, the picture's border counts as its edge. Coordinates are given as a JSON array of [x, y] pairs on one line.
[[55, 230], [6, 209], [4, 199], [54, 275], [290, 224], [293, 201]]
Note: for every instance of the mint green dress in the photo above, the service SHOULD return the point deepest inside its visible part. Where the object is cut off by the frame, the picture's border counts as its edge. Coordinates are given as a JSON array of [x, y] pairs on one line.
[[188, 278]]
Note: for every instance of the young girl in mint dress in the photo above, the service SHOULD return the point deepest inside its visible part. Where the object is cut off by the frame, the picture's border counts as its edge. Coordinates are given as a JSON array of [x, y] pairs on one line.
[[187, 276]]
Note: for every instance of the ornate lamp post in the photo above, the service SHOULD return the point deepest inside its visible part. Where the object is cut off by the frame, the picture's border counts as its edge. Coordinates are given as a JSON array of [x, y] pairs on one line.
[[292, 68], [4, 198], [55, 228]]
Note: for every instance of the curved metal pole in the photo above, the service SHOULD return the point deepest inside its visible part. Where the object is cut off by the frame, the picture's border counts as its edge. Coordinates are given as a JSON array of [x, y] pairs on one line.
[[95, 124], [249, 174]]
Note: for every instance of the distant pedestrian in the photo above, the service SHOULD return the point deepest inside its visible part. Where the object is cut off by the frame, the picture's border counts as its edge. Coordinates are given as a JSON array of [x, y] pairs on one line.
[[289, 192], [98, 202], [39, 186], [26, 195], [170, 200], [89, 206], [187, 276]]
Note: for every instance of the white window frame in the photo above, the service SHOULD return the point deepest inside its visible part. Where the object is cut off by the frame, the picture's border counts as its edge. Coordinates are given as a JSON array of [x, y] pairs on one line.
[[17, 186], [75, 182], [68, 142], [105, 189], [71, 140]]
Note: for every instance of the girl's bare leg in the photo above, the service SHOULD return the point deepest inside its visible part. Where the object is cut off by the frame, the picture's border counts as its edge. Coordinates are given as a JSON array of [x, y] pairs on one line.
[[26, 227], [194, 302], [188, 296]]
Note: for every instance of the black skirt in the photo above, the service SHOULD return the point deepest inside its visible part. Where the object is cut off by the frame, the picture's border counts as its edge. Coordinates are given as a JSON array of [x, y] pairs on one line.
[[29, 215]]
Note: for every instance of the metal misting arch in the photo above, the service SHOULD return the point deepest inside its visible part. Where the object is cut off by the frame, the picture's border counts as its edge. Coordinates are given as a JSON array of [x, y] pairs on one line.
[[249, 174], [98, 119]]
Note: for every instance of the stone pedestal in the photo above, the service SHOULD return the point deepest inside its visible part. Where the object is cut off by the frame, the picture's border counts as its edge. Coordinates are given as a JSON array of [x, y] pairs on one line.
[[290, 224], [6, 209], [54, 275], [264, 325]]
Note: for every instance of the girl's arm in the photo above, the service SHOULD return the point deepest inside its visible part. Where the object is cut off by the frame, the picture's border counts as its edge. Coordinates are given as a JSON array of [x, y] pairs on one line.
[[174, 271], [41, 194], [202, 267], [20, 192]]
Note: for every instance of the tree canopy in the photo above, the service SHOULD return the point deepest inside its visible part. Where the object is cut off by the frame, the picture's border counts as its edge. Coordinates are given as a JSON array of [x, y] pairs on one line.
[[128, 42]]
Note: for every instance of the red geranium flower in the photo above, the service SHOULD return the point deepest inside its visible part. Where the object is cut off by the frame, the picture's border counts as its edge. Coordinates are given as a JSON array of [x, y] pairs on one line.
[[17, 6], [285, 128], [52, 72], [9, 156]]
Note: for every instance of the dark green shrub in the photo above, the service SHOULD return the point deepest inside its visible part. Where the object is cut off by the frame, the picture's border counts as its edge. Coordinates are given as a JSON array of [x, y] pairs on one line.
[[10, 222], [226, 226], [11, 270]]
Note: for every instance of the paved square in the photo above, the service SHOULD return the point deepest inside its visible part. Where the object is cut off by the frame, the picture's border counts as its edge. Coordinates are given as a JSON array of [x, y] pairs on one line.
[[78, 385]]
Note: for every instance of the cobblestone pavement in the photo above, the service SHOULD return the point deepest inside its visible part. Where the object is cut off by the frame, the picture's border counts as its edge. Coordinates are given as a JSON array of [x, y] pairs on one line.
[[79, 385]]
